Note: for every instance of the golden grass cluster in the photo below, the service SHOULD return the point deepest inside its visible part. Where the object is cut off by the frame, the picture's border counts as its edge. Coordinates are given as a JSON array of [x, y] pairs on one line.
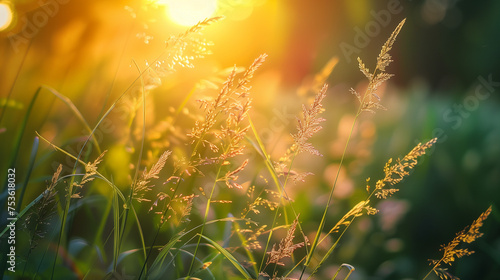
[[452, 250], [191, 186]]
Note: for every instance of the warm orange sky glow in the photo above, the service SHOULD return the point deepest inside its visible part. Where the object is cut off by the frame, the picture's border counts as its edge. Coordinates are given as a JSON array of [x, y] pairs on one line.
[[5, 16], [189, 12]]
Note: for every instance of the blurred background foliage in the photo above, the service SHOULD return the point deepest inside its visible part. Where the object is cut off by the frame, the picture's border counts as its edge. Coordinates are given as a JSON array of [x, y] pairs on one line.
[[87, 51]]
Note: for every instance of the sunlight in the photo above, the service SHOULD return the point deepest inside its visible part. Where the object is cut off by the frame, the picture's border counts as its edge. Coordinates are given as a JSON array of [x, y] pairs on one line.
[[189, 12], [5, 16]]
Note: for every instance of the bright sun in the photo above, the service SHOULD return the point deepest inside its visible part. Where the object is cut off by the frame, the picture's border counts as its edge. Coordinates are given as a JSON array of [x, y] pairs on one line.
[[5, 16], [189, 12]]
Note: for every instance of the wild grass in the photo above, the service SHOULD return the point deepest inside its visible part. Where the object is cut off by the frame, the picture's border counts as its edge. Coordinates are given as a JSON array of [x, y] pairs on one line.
[[452, 250], [176, 217]]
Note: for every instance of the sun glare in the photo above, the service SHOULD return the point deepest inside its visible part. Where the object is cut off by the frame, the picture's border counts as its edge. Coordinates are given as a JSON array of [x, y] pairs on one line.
[[5, 16], [189, 12]]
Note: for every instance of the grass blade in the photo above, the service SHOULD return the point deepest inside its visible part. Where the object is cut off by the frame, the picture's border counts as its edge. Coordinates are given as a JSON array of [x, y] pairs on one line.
[[116, 232], [76, 112], [21, 214], [31, 163], [229, 256], [99, 175], [164, 251], [19, 136]]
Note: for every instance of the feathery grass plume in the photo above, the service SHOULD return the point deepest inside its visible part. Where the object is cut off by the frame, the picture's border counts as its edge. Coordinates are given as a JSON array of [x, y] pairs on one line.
[[142, 186], [90, 171], [181, 50], [180, 206], [252, 242], [196, 48], [182, 209], [231, 177], [395, 173], [370, 100], [356, 211], [259, 201], [234, 102], [306, 128], [367, 103], [39, 218], [451, 251], [384, 58], [443, 273], [310, 124], [286, 246], [44, 209]]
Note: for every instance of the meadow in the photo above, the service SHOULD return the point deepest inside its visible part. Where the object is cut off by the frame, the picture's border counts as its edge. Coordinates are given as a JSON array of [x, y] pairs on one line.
[[139, 147]]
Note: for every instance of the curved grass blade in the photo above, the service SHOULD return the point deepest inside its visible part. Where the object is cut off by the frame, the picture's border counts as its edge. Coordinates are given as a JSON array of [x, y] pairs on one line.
[[229, 256], [21, 214], [75, 111], [116, 225], [121, 232], [165, 250], [250, 255], [31, 163], [141, 234], [99, 175], [348, 266], [19, 136]]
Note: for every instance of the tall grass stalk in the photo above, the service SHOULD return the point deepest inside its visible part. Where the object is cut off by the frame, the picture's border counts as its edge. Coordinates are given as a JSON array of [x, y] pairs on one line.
[[207, 209], [284, 198], [215, 143], [113, 105], [325, 212], [167, 208], [366, 104], [136, 174], [454, 249]]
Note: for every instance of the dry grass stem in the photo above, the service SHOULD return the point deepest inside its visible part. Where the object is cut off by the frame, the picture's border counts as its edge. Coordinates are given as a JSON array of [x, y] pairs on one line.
[[42, 212], [142, 185], [285, 248], [451, 252], [396, 172], [310, 124], [370, 101], [90, 171], [306, 128]]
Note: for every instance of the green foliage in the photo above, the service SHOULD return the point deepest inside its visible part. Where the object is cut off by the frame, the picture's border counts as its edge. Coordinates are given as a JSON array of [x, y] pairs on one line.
[[216, 195]]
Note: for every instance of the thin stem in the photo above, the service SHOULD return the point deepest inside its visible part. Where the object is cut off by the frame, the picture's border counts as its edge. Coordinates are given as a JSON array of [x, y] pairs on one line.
[[269, 240], [207, 208], [195, 151], [322, 223], [331, 249], [323, 219], [433, 269], [139, 157]]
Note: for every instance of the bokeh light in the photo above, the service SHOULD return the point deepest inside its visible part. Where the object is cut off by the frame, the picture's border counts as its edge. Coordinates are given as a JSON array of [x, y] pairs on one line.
[[189, 12], [6, 16]]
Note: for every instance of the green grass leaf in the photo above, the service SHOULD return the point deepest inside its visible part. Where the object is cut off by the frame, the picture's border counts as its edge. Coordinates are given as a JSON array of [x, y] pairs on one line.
[[229, 256]]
